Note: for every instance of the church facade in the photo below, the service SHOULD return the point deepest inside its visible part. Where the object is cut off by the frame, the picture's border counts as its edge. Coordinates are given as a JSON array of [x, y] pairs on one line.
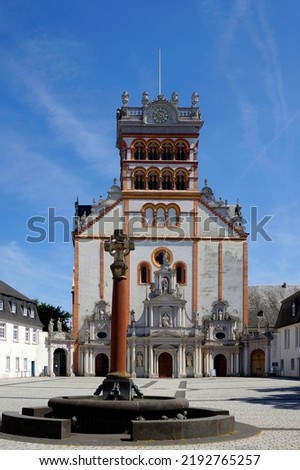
[[187, 301]]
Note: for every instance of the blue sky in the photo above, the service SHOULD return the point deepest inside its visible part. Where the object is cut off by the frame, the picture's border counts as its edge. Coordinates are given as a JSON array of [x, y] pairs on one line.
[[63, 67]]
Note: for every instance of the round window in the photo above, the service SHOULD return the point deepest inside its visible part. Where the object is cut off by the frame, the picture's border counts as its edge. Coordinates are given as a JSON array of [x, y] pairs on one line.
[[220, 335], [101, 334]]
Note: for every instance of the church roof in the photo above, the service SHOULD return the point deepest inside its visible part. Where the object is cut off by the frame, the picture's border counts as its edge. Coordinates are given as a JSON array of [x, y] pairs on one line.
[[265, 302]]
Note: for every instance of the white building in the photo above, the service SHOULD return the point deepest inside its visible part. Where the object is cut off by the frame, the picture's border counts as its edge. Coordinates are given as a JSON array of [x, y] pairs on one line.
[[288, 332], [22, 341], [188, 288]]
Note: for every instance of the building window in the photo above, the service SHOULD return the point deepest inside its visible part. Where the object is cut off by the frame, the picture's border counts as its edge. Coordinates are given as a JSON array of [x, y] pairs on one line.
[[1, 305], [180, 270], [167, 180], [139, 151], [161, 255], [297, 336], [153, 151], [139, 180], [181, 151], [287, 339], [173, 216], [181, 181], [149, 216], [17, 364], [2, 330], [153, 180], [34, 336], [25, 310], [27, 335], [16, 333], [167, 151], [7, 364], [13, 307], [292, 364], [160, 217], [144, 273]]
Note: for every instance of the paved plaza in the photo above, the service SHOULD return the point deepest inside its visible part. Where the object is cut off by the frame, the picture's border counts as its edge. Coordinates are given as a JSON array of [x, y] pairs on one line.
[[266, 410]]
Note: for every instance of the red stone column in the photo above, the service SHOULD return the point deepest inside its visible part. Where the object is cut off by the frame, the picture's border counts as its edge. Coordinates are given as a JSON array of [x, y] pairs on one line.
[[119, 246], [119, 327]]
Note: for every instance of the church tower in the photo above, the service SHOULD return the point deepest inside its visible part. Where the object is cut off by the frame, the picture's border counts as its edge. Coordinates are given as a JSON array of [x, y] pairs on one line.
[[187, 300]]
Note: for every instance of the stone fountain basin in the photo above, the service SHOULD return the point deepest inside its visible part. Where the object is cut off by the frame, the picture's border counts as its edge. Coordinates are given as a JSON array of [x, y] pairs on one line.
[[142, 418], [147, 418]]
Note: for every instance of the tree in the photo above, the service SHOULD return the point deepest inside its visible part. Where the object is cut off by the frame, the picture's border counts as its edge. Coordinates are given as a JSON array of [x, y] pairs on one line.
[[47, 312]]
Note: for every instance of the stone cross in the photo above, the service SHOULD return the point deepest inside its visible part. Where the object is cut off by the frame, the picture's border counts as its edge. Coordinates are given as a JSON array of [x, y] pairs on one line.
[[119, 246]]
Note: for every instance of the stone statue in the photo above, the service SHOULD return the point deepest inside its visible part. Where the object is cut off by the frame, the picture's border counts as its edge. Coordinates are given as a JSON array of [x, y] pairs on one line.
[[165, 320], [59, 325], [164, 285], [139, 359], [195, 99], [50, 326], [189, 360], [125, 98], [174, 98], [145, 98]]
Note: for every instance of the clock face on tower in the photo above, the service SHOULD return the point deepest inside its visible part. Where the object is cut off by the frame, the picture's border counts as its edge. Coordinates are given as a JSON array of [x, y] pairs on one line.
[[160, 114]]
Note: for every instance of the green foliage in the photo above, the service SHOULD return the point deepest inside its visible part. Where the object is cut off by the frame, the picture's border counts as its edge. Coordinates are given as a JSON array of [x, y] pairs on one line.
[[47, 312]]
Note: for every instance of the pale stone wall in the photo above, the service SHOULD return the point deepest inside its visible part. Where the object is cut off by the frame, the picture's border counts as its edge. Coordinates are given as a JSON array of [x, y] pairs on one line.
[[27, 352]]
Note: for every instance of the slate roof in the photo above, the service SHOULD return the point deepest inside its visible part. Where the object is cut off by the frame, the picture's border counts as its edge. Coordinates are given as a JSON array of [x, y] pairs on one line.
[[10, 296], [290, 311], [268, 299]]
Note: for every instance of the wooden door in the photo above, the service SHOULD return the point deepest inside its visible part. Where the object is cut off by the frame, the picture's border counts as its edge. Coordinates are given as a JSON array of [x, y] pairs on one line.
[[165, 365]]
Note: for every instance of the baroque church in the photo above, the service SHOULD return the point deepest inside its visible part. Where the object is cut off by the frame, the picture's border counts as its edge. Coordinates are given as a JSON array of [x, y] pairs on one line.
[[187, 299]]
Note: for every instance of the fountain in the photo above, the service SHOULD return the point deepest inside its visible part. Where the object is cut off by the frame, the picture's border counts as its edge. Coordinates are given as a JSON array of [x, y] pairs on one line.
[[118, 406]]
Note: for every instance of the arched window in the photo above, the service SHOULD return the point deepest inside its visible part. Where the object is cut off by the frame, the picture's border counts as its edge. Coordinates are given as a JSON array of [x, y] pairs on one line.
[[167, 180], [160, 217], [139, 151], [144, 273], [153, 182], [181, 181], [153, 151], [181, 151], [139, 180], [149, 216], [180, 270], [167, 151], [172, 216]]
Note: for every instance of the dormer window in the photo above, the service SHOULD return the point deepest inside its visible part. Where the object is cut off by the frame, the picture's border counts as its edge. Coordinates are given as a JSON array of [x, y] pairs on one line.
[[13, 307], [1, 305]]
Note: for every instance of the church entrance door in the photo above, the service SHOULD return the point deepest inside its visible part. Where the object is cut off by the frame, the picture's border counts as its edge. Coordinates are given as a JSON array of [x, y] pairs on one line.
[[220, 364], [258, 363], [101, 365], [165, 365], [60, 362]]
